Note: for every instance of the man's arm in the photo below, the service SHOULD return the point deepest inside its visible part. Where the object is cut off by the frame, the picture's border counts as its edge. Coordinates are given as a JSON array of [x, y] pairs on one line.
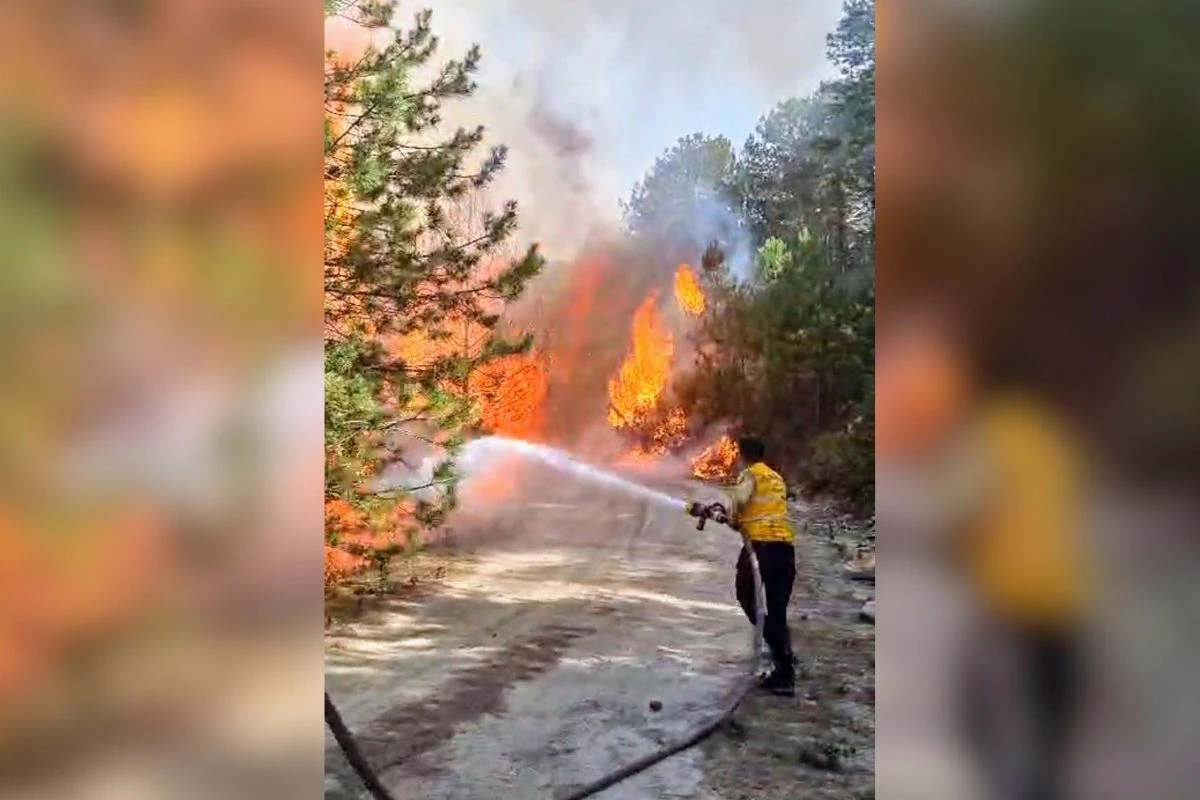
[[740, 495]]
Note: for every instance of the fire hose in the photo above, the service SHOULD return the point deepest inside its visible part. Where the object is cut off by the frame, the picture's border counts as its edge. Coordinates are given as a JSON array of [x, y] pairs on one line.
[[713, 511], [717, 513]]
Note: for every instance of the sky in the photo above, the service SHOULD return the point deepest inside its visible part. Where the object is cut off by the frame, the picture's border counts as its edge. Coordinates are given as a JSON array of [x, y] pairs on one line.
[[586, 94]]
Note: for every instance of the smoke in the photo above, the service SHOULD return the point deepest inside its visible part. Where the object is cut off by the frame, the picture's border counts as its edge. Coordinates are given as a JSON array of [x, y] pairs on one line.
[[713, 221], [587, 94]]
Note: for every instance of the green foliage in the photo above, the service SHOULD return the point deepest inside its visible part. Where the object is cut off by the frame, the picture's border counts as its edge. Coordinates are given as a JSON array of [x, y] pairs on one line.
[[789, 355], [842, 462], [352, 412], [810, 164], [788, 358], [406, 270], [685, 181]]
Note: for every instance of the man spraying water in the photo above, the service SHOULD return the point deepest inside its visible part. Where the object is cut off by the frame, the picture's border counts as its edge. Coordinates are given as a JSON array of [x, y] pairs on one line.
[[758, 509]]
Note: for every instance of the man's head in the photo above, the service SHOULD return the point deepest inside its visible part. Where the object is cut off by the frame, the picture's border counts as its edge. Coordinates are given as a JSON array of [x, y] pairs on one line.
[[751, 450]]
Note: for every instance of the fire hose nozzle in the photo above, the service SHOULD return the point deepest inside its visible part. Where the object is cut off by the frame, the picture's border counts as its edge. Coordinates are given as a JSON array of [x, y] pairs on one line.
[[713, 511]]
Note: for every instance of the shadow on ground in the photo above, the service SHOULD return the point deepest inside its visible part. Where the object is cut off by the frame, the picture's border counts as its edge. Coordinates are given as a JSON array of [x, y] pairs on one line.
[[533, 667]]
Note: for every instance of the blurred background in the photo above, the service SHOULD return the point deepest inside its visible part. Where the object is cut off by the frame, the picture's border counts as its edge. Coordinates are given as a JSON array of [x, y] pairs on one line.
[[1037, 399], [160, 405]]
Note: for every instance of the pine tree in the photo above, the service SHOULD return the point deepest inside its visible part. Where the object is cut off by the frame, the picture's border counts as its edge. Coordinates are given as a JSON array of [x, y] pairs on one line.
[[405, 275], [683, 190], [789, 355]]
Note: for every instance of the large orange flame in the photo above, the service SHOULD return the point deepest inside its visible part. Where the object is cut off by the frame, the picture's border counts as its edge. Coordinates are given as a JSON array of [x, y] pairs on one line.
[[513, 389], [509, 389], [636, 395], [635, 392], [717, 462], [688, 292]]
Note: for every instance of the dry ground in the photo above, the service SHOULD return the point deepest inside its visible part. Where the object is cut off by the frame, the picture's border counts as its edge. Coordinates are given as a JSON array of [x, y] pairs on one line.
[[819, 745], [523, 658]]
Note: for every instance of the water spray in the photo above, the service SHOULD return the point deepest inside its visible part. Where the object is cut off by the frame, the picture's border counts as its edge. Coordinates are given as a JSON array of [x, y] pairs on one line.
[[478, 451], [475, 455]]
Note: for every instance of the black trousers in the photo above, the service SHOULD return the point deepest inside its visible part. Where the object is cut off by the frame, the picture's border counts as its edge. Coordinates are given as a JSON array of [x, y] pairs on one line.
[[777, 563], [1036, 691]]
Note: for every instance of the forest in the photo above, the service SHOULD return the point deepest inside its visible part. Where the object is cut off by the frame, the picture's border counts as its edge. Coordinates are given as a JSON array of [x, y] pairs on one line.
[[418, 280]]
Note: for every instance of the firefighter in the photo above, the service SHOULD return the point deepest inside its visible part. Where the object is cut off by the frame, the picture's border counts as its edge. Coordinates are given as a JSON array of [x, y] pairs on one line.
[[759, 510]]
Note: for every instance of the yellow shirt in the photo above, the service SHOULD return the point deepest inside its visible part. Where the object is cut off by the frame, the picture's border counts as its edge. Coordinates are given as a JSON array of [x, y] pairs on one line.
[[759, 505], [1025, 551]]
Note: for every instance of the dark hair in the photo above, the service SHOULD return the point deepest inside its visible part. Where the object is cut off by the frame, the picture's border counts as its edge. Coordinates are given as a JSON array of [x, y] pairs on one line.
[[751, 449]]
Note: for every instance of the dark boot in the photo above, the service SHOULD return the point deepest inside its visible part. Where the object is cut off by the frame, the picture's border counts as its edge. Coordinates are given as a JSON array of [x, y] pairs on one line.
[[779, 683]]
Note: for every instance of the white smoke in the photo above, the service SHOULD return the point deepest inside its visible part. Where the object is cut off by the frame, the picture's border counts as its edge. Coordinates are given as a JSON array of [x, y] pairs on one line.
[[586, 94]]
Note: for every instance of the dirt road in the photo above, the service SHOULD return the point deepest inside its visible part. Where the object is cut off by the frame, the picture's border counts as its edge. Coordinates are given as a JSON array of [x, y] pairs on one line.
[[530, 668]]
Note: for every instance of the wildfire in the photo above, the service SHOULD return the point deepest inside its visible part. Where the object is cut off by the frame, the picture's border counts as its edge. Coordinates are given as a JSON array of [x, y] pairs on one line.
[[688, 292], [669, 431], [637, 392], [513, 389], [634, 394], [717, 462], [509, 390]]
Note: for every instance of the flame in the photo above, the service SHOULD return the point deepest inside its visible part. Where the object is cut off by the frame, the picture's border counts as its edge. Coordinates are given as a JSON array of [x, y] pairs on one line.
[[688, 292], [577, 318], [637, 392], [717, 462], [634, 394], [509, 390], [669, 431], [512, 389]]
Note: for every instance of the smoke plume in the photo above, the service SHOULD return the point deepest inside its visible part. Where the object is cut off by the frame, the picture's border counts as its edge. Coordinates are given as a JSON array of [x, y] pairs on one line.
[[587, 94]]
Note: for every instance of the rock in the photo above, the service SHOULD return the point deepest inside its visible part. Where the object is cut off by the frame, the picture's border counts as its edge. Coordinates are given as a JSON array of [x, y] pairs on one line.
[[868, 612], [862, 567], [844, 688], [823, 757], [656, 705]]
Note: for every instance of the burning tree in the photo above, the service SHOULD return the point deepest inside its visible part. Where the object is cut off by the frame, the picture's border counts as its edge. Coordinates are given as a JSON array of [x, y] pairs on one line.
[[637, 394], [638, 387], [718, 461], [512, 389], [405, 274], [688, 292]]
